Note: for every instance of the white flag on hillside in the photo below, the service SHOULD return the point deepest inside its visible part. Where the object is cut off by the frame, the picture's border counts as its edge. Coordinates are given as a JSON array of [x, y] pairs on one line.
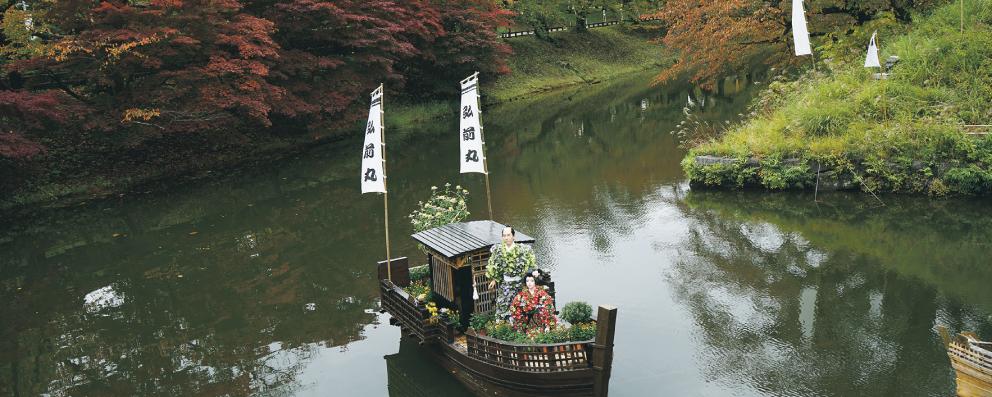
[[471, 154], [373, 173], [871, 60], [800, 35]]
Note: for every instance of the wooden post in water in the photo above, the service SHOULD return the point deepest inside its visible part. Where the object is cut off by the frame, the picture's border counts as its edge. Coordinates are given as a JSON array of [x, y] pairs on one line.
[[602, 356]]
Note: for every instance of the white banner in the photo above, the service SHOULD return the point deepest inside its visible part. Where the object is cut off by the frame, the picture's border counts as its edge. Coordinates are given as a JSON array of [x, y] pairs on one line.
[[800, 35], [373, 171], [871, 60], [471, 154]]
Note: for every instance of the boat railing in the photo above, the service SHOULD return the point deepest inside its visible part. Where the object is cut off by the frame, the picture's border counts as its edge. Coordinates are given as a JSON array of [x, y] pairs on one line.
[[411, 316], [552, 357], [961, 346], [406, 312]]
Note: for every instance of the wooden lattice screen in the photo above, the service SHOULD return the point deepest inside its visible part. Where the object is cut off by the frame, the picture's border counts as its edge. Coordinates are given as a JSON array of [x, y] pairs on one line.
[[487, 297], [442, 282], [530, 358]]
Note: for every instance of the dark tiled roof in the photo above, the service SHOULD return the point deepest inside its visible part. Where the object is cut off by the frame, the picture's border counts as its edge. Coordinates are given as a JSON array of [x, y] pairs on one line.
[[460, 238]]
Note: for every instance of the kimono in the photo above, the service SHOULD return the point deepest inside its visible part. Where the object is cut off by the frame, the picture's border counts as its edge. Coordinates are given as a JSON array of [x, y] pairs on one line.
[[507, 266], [533, 312]]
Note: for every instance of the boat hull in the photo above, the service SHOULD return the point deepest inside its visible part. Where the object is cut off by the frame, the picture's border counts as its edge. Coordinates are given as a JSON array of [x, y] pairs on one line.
[[493, 367], [972, 364], [490, 380]]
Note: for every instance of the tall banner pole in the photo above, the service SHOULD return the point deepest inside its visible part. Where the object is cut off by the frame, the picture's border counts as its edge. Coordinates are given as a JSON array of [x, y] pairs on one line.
[[374, 164], [470, 136], [385, 193], [485, 159]]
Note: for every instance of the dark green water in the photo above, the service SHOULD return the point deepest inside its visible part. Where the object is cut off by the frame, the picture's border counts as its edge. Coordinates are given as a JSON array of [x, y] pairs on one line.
[[261, 282]]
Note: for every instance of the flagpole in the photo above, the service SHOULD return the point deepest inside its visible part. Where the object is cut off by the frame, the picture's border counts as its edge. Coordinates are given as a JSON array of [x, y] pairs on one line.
[[385, 193], [885, 100], [485, 159]]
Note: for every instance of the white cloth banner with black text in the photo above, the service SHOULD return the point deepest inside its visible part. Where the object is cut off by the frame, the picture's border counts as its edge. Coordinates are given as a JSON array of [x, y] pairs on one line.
[[471, 155], [373, 175]]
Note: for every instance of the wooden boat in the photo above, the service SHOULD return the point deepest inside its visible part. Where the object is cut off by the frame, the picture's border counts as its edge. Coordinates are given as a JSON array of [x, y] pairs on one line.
[[457, 255], [972, 361]]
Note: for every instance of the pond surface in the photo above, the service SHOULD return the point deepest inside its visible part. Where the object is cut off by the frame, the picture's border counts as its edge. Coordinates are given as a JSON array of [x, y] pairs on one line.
[[262, 282]]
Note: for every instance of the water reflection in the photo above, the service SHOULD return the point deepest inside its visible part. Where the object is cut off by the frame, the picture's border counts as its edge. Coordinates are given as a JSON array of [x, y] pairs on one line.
[[236, 286], [851, 323], [261, 283]]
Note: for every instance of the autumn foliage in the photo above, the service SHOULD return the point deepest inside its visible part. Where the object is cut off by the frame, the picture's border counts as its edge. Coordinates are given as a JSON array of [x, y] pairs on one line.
[[717, 38], [128, 75]]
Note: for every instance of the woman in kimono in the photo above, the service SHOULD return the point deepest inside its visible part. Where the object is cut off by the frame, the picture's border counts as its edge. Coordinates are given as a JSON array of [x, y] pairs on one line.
[[533, 309]]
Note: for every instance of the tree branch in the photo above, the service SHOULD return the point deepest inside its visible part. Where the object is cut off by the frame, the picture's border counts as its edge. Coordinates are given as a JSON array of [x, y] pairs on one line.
[[65, 88]]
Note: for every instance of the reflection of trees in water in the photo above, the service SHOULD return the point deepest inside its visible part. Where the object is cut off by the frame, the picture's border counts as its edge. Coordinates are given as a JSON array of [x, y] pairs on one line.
[[183, 361], [198, 313], [944, 243], [777, 314], [586, 154]]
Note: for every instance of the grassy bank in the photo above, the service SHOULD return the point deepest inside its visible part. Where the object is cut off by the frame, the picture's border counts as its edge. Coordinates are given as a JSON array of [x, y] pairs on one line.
[[903, 134], [577, 58], [570, 59]]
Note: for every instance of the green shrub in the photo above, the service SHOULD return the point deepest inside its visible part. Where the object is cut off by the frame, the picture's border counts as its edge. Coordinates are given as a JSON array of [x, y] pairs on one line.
[[583, 331], [422, 272], [503, 331], [419, 290], [576, 312], [479, 321], [557, 334], [968, 180]]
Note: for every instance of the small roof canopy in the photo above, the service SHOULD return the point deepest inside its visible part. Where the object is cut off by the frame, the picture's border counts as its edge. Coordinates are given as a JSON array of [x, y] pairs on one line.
[[456, 239]]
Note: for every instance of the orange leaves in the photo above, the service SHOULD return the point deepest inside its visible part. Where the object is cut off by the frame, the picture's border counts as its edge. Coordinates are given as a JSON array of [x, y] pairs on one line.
[[115, 51], [715, 38], [61, 50], [110, 52], [140, 114], [166, 3]]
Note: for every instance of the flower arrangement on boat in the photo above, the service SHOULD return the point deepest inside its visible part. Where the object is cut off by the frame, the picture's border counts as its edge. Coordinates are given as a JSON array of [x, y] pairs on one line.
[[445, 206]]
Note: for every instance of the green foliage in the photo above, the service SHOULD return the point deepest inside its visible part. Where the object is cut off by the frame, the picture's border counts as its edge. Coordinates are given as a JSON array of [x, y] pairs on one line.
[[19, 27], [444, 207], [576, 58], [582, 331], [540, 15], [735, 174], [968, 180], [503, 331], [776, 174], [418, 273], [558, 334], [516, 261], [419, 290], [478, 321], [900, 134], [576, 312], [450, 317]]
